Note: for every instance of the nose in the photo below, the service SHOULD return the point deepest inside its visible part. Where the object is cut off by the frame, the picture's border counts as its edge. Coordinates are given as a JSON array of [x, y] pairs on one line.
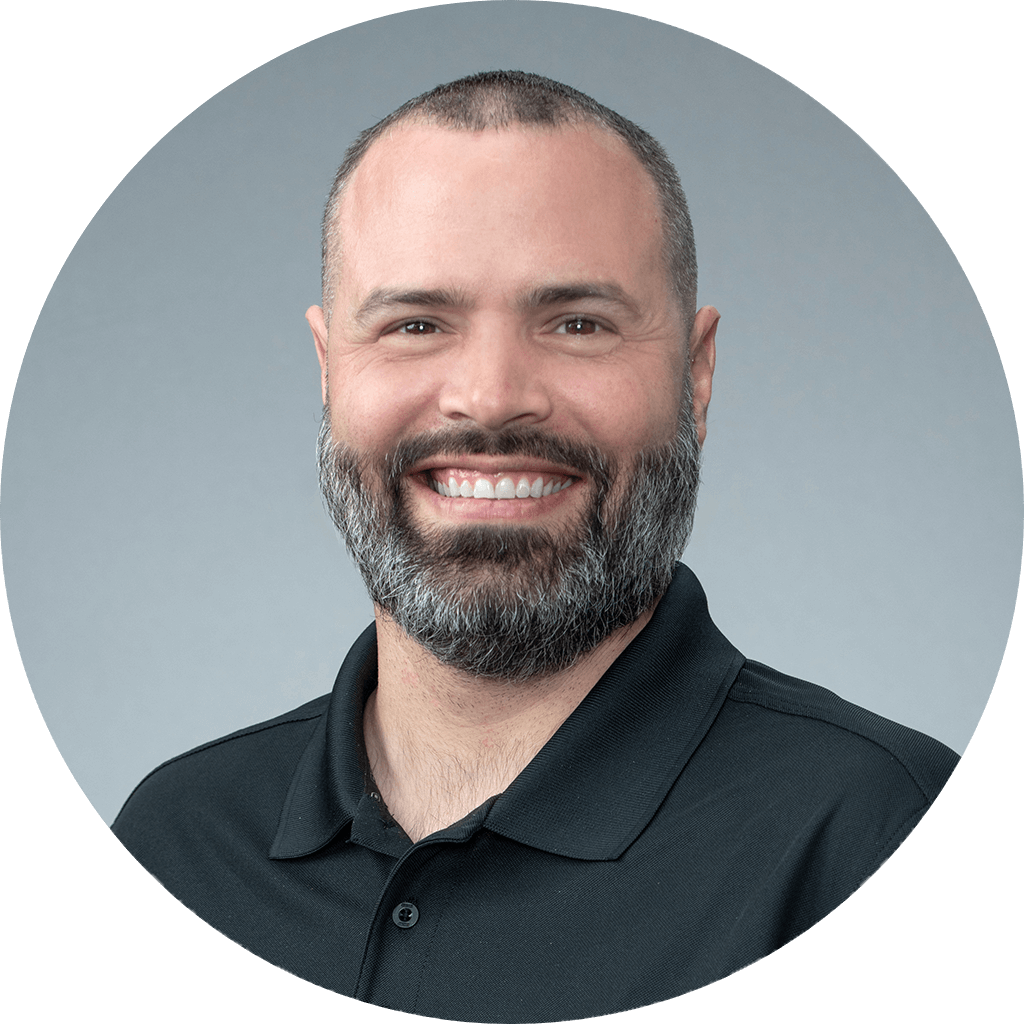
[[496, 379]]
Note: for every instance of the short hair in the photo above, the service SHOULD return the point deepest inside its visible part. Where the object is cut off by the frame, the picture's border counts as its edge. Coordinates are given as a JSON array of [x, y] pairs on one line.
[[500, 99]]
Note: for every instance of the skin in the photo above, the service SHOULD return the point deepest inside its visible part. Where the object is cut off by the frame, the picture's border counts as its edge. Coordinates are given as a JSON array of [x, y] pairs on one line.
[[491, 279]]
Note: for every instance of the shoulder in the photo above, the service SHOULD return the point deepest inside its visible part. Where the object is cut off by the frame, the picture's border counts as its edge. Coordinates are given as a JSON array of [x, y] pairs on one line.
[[256, 761], [829, 732]]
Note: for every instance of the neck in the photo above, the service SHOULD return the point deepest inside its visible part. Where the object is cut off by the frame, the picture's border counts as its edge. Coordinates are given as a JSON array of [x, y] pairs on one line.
[[440, 742]]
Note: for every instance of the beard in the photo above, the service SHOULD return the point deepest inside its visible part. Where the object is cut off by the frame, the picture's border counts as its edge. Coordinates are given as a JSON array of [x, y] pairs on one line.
[[516, 602]]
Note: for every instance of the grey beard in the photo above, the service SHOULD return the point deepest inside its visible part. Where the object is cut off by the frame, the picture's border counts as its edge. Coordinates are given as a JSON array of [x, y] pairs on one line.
[[515, 602]]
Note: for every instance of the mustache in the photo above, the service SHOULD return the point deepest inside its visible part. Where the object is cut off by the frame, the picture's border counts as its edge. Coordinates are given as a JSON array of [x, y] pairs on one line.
[[586, 459]]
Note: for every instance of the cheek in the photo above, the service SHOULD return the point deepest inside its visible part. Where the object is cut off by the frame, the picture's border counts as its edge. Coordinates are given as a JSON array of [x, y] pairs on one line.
[[374, 403], [621, 413]]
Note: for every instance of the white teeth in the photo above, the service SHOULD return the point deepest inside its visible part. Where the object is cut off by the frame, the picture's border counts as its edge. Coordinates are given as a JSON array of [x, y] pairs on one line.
[[505, 488]]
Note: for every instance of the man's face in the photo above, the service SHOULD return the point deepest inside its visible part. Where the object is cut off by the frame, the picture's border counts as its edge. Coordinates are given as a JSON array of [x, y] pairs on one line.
[[509, 285]]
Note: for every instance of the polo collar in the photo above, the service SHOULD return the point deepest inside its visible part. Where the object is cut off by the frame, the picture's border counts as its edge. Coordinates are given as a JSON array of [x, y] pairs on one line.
[[594, 786]]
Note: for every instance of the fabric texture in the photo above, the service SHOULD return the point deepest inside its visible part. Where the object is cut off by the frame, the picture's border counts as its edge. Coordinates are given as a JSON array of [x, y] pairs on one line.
[[694, 813]]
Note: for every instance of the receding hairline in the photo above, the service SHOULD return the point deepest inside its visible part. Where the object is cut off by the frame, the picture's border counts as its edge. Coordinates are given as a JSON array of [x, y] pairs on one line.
[[599, 132], [510, 100]]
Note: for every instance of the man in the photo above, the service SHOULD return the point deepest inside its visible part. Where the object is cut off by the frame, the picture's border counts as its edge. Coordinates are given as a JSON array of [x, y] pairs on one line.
[[544, 785]]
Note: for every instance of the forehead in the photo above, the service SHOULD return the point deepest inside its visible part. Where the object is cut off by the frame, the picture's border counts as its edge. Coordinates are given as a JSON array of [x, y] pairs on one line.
[[499, 200]]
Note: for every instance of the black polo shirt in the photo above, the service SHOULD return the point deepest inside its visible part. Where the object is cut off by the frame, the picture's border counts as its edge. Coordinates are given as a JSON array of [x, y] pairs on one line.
[[694, 813]]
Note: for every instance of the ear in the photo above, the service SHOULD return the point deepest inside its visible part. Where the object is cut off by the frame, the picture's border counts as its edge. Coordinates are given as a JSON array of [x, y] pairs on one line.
[[315, 319], [702, 364]]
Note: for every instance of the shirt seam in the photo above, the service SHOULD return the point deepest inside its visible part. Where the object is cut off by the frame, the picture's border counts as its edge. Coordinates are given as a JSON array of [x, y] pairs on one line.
[[251, 731], [798, 710]]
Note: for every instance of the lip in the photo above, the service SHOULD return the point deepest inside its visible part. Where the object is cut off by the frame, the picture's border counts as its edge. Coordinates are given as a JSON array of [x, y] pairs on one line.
[[482, 510], [494, 464]]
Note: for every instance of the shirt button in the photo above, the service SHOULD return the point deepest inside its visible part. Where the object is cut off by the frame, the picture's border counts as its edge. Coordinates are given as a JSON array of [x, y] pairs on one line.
[[405, 915]]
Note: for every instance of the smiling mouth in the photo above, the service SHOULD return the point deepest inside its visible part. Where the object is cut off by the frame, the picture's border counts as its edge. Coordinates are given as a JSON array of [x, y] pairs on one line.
[[458, 483]]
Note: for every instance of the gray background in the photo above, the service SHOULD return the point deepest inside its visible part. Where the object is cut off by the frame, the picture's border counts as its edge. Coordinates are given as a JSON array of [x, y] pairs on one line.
[[171, 575]]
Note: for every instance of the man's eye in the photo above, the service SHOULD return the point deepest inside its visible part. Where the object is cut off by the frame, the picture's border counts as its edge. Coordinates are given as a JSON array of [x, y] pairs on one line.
[[579, 325], [417, 327]]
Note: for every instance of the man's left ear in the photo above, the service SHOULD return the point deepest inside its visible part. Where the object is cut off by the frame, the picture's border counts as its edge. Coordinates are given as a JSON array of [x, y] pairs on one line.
[[702, 364]]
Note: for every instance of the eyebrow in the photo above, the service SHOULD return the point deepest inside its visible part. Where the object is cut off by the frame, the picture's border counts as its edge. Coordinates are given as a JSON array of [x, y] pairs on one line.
[[383, 299], [553, 295]]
